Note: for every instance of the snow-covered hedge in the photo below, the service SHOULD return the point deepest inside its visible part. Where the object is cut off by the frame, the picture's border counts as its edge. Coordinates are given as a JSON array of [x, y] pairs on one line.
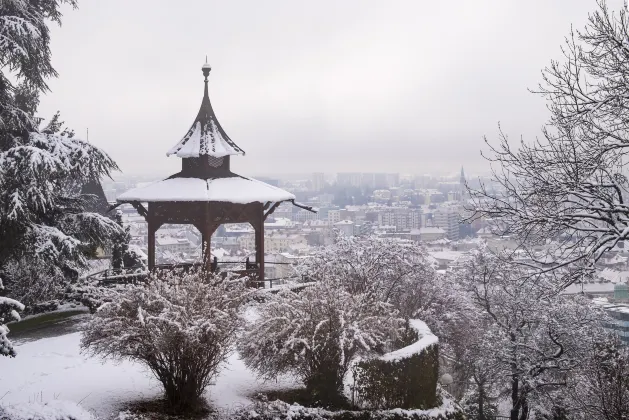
[[279, 410], [52, 410], [405, 378]]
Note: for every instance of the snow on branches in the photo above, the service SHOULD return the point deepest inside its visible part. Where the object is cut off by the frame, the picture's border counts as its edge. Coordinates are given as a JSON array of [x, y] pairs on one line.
[[182, 326], [44, 217], [25, 52], [315, 333], [390, 270], [570, 186], [9, 309], [531, 337]]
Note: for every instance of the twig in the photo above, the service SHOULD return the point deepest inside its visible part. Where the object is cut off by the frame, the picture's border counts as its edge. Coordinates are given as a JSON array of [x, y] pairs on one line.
[[84, 398]]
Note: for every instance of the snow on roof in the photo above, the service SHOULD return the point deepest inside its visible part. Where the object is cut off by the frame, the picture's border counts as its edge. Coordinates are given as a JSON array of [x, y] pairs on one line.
[[613, 275], [344, 222], [425, 230], [206, 136], [589, 288], [446, 255], [236, 189], [205, 139]]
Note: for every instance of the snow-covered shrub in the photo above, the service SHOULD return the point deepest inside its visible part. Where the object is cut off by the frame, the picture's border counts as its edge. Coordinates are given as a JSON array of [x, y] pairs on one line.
[[182, 326], [394, 271], [316, 333], [52, 410], [8, 312], [405, 378], [279, 410]]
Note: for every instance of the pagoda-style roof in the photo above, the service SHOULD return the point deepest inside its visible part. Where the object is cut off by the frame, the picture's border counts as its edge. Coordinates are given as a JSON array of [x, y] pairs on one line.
[[205, 137], [235, 189]]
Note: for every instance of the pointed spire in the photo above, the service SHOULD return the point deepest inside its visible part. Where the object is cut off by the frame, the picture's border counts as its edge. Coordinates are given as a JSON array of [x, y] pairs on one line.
[[206, 136]]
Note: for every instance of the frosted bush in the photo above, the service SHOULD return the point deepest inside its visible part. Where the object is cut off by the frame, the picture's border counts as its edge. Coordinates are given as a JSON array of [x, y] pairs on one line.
[[182, 326]]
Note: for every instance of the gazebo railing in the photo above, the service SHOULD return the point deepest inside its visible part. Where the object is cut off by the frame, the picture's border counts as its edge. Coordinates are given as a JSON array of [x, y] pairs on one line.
[[138, 273]]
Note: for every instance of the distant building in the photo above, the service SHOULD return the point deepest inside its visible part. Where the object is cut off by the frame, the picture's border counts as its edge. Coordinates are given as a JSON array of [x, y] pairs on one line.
[[346, 227], [349, 179], [382, 195], [429, 234], [619, 318], [334, 216], [175, 245], [448, 219], [318, 181]]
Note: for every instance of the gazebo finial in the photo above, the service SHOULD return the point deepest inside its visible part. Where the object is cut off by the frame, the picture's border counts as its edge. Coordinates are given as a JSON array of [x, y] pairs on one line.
[[206, 69]]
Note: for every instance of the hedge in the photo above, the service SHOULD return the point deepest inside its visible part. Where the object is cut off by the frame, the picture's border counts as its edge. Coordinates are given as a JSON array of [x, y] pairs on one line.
[[406, 378]]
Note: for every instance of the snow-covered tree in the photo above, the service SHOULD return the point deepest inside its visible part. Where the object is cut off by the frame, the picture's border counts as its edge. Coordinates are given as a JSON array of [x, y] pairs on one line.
[[533, 338], [9, 309], [43, 214], [315, 333], [181, 326], [571, 185], [402, 273], [25, 52], [390, 270], [600, 388], [120, 246]]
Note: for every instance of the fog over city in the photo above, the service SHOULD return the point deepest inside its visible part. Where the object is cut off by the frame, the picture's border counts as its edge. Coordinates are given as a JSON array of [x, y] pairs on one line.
[[404, 86]]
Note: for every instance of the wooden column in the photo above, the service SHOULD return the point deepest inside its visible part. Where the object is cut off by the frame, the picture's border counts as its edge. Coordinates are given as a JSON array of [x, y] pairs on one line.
[[206, 241], [259, 228], [207, 229], [152, 228]]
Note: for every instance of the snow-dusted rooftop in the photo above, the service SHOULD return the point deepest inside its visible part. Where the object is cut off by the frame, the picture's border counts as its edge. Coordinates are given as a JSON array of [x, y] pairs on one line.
[[205, 137], [236, 189]]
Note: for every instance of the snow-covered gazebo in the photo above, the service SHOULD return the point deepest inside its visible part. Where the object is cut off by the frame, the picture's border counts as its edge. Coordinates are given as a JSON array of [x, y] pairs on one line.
[[206, 193]]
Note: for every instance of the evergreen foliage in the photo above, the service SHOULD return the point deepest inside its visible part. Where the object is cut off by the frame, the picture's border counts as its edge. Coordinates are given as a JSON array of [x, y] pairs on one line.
[[47, 232], [409, 383]]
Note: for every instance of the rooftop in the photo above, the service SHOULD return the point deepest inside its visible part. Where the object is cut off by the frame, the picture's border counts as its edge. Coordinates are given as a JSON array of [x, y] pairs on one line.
[[205, 137], [236, 189]]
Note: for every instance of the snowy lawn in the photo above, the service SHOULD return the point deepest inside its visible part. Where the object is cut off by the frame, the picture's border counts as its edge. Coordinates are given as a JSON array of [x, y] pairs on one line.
[[54, 368]]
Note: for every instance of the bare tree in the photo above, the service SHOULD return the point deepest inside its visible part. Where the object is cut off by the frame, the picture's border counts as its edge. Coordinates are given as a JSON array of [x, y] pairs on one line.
[[570, 186], [600, 389], [532, 338]]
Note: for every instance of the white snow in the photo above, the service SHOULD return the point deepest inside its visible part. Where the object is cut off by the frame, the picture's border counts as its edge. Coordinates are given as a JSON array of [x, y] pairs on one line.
[[204, 140], [236, 189], [426, 338], [54, 368], [192, 146], [53, 409]]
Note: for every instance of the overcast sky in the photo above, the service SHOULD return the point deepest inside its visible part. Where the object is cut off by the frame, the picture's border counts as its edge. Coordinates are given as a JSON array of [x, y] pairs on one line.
[[328, 85]]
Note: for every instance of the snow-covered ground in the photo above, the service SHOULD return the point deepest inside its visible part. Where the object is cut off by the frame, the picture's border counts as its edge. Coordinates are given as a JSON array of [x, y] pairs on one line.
[[54, 368]]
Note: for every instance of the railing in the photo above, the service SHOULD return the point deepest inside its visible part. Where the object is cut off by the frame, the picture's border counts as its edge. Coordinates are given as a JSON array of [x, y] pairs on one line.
[[138, 273]]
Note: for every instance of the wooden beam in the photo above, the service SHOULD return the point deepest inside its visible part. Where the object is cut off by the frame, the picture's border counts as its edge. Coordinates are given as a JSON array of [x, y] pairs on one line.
[[271, 210], [303, 206], [142, 211]]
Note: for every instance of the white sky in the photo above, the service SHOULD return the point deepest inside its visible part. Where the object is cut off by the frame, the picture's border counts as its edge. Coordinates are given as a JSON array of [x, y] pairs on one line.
[[353, 85]]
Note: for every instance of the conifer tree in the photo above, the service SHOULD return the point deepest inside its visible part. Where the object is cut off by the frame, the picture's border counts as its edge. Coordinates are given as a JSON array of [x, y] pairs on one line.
[[44, 218]]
